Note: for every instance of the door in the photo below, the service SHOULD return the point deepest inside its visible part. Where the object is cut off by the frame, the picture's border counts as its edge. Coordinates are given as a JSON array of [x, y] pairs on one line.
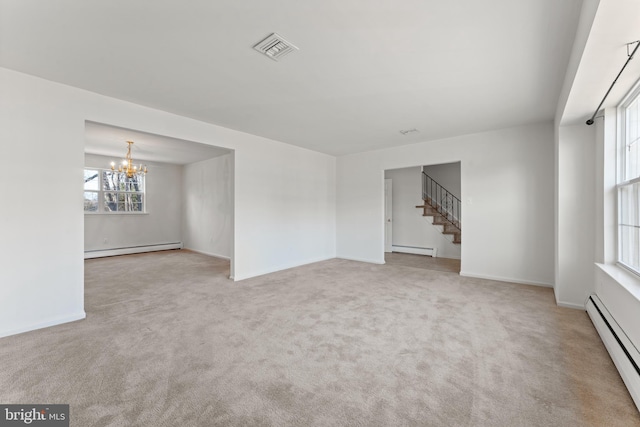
[[388, 215]]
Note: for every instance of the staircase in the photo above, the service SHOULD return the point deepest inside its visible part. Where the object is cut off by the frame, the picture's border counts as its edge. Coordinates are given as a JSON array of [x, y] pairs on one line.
[[443, 206]]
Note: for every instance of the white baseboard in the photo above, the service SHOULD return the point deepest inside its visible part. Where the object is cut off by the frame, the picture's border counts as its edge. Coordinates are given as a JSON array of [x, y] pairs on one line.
[[570, 305], [415, 250], [208, 253], [370, 261], [131, 250], [505, 279], [238, 278], [628, 372], [45, 324]]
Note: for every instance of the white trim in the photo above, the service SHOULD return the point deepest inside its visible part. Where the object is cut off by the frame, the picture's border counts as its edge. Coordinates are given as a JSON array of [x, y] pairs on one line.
[[369, 261], [433, 252], [208, 253], [625, 278], [95, 213], [506, 279], [570, 305], [625, 368], [279, 268], [629, 182], [631, 96], [131, 250], [48, 323]]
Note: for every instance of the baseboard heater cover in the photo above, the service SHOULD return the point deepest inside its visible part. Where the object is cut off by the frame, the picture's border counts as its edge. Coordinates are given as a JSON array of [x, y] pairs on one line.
[[416, 250], [622, 351], [131, 250]]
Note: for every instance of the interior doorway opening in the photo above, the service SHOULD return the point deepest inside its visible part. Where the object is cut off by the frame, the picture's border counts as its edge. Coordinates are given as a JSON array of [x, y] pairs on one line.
[[186, 199], [423, 217]]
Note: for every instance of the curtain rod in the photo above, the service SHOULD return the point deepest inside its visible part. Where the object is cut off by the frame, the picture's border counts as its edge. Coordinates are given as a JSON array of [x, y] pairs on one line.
[[630, 57]]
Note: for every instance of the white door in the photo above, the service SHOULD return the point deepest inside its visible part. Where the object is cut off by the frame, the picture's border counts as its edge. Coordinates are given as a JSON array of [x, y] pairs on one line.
[[388, 215]]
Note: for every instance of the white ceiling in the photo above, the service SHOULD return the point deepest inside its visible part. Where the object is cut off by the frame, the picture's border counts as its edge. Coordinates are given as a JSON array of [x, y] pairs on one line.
[[365, 69], [111, 141], [617, 23]]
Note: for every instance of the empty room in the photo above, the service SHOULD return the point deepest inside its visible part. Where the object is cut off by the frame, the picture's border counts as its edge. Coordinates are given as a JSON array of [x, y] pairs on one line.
[[354, 213]]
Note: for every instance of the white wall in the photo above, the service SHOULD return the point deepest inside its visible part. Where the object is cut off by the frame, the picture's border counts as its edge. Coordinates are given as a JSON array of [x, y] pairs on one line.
[[285, 207], [41, 238], [576, 214], [284, 196], [507, 196], [409, 227], [160, 224], [207, 220]]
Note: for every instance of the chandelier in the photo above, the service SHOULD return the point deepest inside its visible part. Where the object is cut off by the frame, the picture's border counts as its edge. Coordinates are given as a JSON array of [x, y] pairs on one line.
[[127, 165]]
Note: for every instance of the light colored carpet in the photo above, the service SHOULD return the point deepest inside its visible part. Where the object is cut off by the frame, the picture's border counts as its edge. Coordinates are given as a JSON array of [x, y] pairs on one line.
[[422, 261], [170, 341]]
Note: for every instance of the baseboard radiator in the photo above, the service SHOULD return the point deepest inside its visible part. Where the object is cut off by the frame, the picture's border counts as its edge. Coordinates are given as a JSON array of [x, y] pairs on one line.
[[622, 351], [131, 250], [415, 250]]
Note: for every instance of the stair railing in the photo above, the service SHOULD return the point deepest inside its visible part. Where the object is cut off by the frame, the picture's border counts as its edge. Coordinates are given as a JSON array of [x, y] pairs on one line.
[[441, 200]]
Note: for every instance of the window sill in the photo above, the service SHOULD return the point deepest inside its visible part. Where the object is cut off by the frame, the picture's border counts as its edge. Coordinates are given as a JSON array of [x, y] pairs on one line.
[[629, 281], [115, 213]]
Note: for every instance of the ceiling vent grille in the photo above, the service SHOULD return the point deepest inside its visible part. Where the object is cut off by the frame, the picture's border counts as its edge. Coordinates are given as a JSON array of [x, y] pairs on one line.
[[275, 47]]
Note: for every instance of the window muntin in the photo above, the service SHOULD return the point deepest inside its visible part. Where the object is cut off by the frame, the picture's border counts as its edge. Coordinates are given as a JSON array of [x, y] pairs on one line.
[[629, 226], [107, 191]]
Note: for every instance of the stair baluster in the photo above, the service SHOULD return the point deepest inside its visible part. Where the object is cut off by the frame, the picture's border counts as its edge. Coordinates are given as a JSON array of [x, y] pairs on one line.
[[443, 206]]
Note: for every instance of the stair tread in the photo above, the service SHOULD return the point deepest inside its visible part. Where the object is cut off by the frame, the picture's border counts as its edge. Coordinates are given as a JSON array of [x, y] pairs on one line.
[[446, 224], [439, 219]]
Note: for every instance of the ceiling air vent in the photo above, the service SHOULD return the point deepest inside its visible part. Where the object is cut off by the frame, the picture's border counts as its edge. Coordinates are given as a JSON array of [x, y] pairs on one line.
[[275, 47]]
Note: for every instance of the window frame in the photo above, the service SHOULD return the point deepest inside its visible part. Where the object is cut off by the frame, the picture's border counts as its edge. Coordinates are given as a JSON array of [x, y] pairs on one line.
[[101, 192], [624, 182]]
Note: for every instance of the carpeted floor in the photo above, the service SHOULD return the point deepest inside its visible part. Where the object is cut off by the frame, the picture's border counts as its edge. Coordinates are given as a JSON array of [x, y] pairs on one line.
[[170, 341], [422, 261]]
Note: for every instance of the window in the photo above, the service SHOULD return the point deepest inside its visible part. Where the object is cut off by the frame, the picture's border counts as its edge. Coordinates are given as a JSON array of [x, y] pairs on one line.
[[629, 185], [107, 191]]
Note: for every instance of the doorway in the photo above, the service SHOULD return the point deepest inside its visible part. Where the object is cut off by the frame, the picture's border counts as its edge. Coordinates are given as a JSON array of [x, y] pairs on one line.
[[187, 195], [420, 237]]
